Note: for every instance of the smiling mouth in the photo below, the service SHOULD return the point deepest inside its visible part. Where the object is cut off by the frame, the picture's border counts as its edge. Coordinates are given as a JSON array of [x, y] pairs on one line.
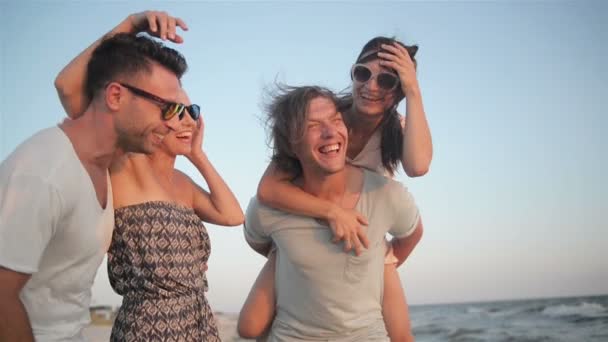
[[331, 149], [184, 135], [371, 98]]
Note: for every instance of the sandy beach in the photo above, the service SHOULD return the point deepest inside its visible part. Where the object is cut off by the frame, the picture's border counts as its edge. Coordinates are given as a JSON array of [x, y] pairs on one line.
[[226, 324]]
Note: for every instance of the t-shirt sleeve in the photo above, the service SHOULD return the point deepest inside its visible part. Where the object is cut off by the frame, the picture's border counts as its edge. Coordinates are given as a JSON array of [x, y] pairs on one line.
[[405, 211], [256, 233], [29, 210]]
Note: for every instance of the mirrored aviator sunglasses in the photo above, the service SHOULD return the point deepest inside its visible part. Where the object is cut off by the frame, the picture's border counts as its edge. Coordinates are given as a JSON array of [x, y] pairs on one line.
[[362, 74], [173, 109]]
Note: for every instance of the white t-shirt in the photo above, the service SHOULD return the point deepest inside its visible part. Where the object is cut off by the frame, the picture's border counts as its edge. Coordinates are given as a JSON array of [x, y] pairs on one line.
[[53, 227]]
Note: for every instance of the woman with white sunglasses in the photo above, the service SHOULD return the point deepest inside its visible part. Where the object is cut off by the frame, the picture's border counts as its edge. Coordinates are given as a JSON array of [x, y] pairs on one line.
[[379, 139]]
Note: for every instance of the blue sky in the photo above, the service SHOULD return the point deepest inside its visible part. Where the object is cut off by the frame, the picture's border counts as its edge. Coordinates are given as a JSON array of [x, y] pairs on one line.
[[515, 94]]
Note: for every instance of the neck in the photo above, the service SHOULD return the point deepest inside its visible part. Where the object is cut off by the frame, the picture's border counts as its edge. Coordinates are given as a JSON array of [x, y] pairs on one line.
[[362, 124], [331, 187], [93, 137], [162, 163]]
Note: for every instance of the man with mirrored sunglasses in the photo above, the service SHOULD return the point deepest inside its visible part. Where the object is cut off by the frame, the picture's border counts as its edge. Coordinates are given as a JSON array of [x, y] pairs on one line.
[[56, 208], [169, 109]]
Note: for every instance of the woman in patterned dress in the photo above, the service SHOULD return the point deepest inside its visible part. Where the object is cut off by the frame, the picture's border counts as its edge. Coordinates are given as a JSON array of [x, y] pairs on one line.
[[160, 246]]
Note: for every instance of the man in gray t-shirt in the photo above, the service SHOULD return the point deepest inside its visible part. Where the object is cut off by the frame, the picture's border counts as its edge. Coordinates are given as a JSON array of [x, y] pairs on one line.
[[322, 292]]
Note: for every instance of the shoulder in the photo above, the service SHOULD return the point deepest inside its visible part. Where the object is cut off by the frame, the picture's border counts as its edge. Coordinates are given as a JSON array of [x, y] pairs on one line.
[[43, 155], [384, 189], [182, 180], [259, 214]]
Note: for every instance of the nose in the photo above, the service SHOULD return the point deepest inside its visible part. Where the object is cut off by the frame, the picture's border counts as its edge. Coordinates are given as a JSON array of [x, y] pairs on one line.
[[173, 123], [372, 83], [187, 120], [328, 131]]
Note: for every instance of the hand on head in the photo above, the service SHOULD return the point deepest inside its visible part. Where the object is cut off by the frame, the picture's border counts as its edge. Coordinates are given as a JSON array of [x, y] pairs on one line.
[[396, 57], [158, 24]]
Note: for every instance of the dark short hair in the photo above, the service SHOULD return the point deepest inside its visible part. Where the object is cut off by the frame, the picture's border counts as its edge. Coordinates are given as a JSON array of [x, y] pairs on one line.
[[391, 142], [286, 114], [126, 55]]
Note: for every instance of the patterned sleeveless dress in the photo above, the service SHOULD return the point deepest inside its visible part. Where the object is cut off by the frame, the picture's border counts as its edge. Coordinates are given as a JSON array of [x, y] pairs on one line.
[[156, 262]]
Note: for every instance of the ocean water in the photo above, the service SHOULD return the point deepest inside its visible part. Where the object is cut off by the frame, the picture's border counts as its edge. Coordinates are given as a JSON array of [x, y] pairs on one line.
[[575, 319]]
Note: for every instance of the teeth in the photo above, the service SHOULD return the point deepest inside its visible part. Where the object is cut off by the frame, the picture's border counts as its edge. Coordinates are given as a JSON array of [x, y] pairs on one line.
[[159, 136], [370, 98], [185, 135], [330, 148]]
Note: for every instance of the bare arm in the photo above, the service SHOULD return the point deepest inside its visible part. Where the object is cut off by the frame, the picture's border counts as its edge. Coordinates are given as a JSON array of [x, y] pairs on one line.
[[219, 205], [14, 323], [259, 308], [277, 190], [417, 144], [71, 80], [403, 247]]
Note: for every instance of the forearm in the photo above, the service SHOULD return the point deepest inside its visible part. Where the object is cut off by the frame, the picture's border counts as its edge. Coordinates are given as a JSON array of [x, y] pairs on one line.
[[284, 195], [220, 195], [417, 142], [403, 247], [70, 82], [14, 323]]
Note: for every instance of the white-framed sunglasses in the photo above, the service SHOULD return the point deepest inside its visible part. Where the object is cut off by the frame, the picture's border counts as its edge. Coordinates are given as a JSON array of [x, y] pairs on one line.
[[361, 73]]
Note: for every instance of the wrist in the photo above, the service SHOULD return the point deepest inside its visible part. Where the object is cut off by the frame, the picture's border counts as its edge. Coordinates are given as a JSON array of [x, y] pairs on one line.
[[331, 213], [411, 91], [126, 26], [197, 155]]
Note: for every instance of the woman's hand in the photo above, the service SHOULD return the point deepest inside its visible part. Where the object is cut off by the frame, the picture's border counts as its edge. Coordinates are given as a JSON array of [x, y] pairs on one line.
[[347, 225], [156, 23], [197, 139], [398, 59]]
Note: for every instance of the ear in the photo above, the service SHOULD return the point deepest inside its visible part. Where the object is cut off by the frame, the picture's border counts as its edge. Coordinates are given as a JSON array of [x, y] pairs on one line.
[[113, 96]]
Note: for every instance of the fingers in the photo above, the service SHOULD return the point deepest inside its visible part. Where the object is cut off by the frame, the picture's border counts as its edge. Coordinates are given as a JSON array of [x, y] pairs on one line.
[[338, 235], [362, 220], [362, 236], [358, 245], [398, 50], [392, 65], [151, 17], [164, 26], [179, 22], [171, 28], [163, 23], [347, 245]]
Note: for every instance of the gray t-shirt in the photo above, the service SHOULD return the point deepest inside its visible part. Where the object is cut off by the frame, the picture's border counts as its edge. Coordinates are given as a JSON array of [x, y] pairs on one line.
[[322, 292]]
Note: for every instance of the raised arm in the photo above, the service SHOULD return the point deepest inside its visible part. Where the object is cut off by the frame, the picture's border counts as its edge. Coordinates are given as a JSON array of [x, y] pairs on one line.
[[70, 81], [417, 144], [277, 190], [219, 205]]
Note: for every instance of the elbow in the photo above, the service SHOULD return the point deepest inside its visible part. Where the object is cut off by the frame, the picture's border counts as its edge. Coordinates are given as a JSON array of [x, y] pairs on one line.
[[61, 85], [248, 328], [264, 193], [413, 173], [236, 220], [417, 170]]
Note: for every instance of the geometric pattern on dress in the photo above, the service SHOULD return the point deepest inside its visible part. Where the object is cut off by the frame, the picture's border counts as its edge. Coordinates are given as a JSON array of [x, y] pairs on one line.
[[156, 262]]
